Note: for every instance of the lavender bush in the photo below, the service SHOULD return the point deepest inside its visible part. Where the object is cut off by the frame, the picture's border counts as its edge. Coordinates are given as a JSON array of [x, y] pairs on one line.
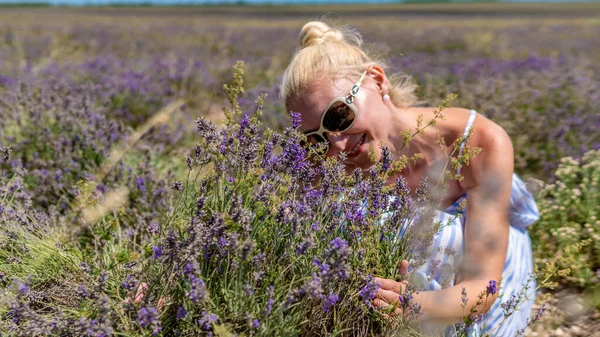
[[251, 245]]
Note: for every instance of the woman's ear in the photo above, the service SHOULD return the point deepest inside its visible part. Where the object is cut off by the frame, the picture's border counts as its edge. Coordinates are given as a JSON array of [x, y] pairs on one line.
[[376, 73]]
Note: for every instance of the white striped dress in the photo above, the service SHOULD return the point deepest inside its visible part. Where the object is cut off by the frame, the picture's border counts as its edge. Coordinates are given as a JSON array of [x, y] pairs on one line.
[[440, 268]]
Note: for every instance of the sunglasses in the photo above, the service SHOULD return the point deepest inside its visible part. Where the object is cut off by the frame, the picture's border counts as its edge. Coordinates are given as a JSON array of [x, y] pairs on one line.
[[339, 116]]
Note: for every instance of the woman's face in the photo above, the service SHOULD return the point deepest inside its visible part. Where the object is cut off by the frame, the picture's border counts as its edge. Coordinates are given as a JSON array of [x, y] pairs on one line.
[[371, 126]]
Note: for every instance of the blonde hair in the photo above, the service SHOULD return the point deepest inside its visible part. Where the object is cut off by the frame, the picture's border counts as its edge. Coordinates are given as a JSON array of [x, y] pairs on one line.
[[336, 52]]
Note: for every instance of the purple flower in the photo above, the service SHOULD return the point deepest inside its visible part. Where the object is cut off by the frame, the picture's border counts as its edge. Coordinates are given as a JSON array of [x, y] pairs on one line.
[[157, 252], [369, 290], [492, 288], [313, 287], [330, 301], [177, 185], [181, 313], [140, 183], [475, 318], [386, 158], [510, 305], [248, 289], [147, 318], [82, 292], [206, 320], [271, 301], [197, 292], [304, 246], [295, 118], [539, 313], [324, 268], [269, 306], [130, 283], [337, 255], [84, 267], [22, 287], [190, 268], [207, 129], [102, 281], [409, 308], [339, 248], [153, 228], [5, 152]]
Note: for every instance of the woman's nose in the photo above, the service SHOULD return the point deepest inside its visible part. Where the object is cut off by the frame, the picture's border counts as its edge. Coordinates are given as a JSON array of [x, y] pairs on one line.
[[337, 142]]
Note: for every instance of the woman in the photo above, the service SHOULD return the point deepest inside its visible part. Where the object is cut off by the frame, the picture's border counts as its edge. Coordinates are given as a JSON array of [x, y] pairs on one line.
[[349, 104]]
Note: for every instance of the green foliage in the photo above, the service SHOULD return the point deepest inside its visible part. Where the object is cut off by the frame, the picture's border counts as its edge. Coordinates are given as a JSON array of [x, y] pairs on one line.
[[570, 216]]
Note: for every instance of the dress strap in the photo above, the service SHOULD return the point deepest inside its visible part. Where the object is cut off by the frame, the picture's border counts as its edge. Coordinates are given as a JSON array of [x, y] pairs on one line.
[[465, 133]]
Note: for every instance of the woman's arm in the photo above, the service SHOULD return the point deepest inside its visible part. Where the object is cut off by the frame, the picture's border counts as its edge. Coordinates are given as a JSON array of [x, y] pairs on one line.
[[488, 181]]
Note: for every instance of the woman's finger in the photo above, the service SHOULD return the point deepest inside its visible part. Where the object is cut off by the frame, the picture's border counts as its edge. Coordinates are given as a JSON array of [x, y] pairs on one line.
[[403, 267], [388, 295], [392, 285], [140, 293], [161, 303], [379, 303]]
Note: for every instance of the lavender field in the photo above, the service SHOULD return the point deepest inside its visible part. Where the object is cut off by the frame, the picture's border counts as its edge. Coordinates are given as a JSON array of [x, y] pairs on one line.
[[139, 197]]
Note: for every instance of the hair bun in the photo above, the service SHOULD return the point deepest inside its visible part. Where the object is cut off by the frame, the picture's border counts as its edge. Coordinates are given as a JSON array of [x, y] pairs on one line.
[[317, 32]]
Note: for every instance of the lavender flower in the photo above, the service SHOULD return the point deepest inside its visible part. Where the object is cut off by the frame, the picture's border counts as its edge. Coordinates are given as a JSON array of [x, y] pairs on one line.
[[206, 320], [153, 228], [313, 287], [270, 301], [492, 288], [148, 318], [130, 283], [330, 301], [157, 252], [510, 305], [463, 296], [5, 152], [197, 292], [369, 290], [177, 185], [82, 292], [248, 289], [386, 158], [295, 118], [191, 268], [181, 313], [84, 267], [305, 245], [22, 287], [538, 314], [140, 183]]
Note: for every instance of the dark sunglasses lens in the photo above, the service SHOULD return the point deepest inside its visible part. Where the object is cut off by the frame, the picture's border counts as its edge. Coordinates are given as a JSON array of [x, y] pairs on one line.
[[315, 139], [339, 117], [317, 143]]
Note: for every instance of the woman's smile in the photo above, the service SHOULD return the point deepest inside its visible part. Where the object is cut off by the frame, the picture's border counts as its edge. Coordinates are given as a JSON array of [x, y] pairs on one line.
[[357, 148]]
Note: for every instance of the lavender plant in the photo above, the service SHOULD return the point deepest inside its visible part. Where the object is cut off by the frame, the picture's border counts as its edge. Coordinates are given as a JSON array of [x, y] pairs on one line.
[[263, 238]]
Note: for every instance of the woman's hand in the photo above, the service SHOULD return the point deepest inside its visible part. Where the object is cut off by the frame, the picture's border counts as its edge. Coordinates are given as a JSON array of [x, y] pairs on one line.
[[140, 293], [389, 290]]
